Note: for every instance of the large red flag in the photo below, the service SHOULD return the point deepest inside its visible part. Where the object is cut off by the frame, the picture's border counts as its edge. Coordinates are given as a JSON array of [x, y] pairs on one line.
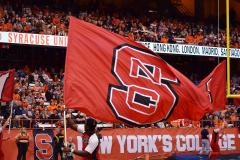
[[6, 85], [113, 79], [214, 86]]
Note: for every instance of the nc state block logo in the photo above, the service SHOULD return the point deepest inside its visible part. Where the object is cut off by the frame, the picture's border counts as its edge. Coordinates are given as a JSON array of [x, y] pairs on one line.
[[144, 94]]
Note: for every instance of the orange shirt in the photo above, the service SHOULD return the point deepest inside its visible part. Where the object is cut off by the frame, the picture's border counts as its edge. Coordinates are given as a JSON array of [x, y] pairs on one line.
[[1, 27], [26, 28], [56, 21], [164, 40], [45, 87], [17, 85], [189, 39], [198, 38], [131, 36], [52, 107], [26, 69], [5, 27], [224, 123], [16, 97], [10, 26]]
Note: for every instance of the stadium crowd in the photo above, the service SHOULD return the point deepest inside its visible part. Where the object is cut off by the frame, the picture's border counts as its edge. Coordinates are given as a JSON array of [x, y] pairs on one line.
[[38, 95], [38, 99], [45, 20]]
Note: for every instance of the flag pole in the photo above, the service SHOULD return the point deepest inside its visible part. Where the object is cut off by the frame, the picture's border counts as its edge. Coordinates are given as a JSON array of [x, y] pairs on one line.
[[65, 126], [10, 121]]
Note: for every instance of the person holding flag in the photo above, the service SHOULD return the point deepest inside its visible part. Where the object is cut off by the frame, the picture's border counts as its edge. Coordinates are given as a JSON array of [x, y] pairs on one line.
[[2, 127], [91, 139]]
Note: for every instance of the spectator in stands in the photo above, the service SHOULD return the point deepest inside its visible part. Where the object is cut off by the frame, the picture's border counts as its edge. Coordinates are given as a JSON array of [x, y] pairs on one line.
[[46, 20], [54, 116], [18, 116]]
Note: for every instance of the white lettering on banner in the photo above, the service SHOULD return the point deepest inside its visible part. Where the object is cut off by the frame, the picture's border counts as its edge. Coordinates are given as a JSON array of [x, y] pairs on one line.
[[198, 148], [190, 143], [132, 144], [235, 52], [183, 49], [163, 48], [227, 142], [223, 142], [151, 143], [231, 142], [106, 145], [121, 141], [33, 39], [142, 143], [167, 143], [210, 51], [3, 79], [180, 143], [191, 50], [145, 144]]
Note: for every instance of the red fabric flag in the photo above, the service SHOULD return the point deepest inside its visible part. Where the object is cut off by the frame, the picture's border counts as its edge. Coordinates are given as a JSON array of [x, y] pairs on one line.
[[113, 79], [6, 85], [214, 86]]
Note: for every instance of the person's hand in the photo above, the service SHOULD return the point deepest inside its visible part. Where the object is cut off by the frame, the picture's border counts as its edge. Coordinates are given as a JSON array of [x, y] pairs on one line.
[[66, 150]]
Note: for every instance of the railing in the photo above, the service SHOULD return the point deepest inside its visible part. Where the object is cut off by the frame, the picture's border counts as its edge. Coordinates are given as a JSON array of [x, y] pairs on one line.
[[53, 123]]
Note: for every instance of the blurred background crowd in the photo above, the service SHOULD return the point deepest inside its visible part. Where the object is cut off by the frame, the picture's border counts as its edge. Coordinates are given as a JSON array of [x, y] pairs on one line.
[[52, 21]]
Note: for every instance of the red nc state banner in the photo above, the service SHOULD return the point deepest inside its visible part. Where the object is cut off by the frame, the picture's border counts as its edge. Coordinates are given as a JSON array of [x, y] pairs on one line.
[[113, 79], [6, 85], [214, 86]]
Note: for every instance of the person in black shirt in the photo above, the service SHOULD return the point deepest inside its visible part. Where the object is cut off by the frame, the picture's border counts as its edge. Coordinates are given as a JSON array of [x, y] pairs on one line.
[[54, 117], [58, 144], [205, 140]]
